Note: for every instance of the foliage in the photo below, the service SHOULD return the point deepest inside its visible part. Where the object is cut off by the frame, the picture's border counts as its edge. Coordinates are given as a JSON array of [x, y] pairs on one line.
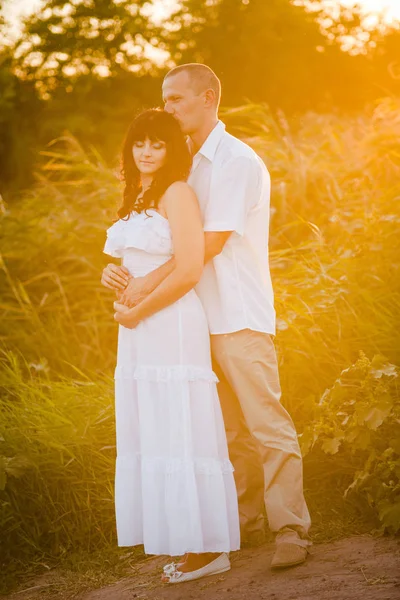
[[282, 53], [359, 420], [334, 241], [100, 124], [52, 258], [57, 453], [270, 50], [70, 38], [95, 63], [18, 131], [265, 50]]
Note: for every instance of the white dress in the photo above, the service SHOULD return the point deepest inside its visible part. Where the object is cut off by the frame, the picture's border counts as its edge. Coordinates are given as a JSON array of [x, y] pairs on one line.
[[174, 485]]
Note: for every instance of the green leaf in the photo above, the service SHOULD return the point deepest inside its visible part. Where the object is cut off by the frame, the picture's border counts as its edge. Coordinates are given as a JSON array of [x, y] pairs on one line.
[[17, 466], [379, 367], [373, 416], [307, 440], [389, 515], [376, 417], [331, 445]]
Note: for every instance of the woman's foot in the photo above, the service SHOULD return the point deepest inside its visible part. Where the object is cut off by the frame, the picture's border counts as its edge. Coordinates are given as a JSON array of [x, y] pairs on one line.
[[197, 561], [192, 562]]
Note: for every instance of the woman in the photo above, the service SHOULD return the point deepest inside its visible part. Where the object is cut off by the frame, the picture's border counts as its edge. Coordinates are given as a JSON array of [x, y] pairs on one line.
[[174, 488]]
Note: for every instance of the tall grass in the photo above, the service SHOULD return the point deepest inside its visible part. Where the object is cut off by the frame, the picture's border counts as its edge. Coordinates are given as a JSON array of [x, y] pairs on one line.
[[52, 259], [60, 446], [334, 256], [334, 241]]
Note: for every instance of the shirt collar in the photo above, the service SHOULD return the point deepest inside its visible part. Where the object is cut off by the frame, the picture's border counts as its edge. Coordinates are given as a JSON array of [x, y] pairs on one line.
[[210, 145]]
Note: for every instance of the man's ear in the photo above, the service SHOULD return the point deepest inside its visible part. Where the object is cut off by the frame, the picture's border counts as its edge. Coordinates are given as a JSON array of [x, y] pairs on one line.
[[209, 98]]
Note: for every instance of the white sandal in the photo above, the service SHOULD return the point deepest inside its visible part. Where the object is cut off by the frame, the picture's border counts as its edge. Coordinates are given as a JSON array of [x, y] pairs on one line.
[[219, 565]]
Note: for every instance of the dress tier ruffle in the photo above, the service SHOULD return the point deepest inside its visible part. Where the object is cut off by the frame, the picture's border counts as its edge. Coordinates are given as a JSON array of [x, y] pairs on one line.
[[174, 485]]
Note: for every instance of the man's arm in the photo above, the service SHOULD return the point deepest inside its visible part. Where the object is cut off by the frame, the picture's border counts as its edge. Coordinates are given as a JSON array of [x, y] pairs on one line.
[[139, 288], [115, 277], [213, 242], [235, 190]]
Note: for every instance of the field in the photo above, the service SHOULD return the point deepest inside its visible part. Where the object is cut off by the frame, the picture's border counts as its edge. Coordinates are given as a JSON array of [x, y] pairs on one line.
[[334, 255]]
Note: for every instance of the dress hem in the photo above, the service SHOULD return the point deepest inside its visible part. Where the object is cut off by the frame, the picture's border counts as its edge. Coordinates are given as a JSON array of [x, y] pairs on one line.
[[184, 550]]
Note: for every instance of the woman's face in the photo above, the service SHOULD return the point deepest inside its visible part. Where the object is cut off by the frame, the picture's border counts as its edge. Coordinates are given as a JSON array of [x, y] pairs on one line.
[[149, 156]]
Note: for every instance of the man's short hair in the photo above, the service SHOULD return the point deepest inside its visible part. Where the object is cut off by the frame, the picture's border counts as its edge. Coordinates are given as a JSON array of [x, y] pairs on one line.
[[201, 76]]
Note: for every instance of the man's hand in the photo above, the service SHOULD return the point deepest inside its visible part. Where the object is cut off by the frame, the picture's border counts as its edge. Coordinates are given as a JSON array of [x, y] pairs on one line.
[[115, 277], [136, 290]]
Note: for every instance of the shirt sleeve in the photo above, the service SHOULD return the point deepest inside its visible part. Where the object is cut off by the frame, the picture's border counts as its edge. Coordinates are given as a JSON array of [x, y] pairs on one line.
[[234, 190]]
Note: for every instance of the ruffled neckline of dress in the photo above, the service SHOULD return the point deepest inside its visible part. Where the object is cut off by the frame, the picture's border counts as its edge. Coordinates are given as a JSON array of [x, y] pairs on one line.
[[148, 232]]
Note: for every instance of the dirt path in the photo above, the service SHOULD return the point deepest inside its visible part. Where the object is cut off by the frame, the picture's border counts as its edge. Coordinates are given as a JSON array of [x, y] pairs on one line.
[[357, 568]]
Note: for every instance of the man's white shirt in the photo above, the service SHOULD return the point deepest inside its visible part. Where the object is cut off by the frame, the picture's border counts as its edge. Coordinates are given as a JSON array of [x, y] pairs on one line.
[[233, 188]]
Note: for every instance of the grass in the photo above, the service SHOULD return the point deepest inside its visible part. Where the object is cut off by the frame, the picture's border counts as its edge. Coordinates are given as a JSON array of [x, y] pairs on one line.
[[334, 256], [75, 573]]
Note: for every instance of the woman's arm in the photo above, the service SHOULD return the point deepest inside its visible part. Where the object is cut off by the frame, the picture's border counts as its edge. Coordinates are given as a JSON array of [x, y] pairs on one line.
[[180, 204]]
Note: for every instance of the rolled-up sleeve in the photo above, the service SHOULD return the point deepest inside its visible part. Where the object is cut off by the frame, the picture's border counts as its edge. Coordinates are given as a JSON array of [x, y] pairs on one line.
[[233, 192]]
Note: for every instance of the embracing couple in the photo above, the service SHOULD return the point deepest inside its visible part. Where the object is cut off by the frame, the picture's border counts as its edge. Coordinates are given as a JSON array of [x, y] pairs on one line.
[[195, 307]]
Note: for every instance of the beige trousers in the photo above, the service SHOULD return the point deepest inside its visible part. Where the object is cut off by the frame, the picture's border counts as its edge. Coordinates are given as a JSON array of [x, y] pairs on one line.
[[262, 439]]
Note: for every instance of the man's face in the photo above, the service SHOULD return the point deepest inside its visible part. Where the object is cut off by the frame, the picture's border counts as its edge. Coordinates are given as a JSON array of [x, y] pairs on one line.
[[183, 102]]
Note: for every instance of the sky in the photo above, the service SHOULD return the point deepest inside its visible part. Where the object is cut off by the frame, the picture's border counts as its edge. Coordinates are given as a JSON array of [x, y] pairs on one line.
[[391, 7], [13, 9]]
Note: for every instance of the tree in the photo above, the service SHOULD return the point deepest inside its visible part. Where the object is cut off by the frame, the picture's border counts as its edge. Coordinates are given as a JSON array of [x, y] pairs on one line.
[[71, 38], [20, 109], [273, 51], [262, 50]]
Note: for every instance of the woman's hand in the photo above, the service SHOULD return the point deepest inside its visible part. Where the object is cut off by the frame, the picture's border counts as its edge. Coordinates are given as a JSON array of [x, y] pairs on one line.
[[128, 317]]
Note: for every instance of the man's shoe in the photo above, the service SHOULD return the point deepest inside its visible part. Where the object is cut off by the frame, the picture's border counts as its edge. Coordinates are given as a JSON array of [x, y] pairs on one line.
[[288, 555]]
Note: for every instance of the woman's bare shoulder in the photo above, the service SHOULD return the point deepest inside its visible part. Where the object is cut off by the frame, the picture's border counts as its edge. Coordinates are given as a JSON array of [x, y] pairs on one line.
[[178, 195], [179, 188]]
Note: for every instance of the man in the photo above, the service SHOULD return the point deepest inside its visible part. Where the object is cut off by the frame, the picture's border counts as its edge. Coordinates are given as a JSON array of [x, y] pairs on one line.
[[233, 188]]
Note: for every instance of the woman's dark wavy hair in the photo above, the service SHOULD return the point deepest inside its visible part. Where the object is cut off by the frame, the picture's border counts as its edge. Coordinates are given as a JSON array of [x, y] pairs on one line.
[[157, 125]]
